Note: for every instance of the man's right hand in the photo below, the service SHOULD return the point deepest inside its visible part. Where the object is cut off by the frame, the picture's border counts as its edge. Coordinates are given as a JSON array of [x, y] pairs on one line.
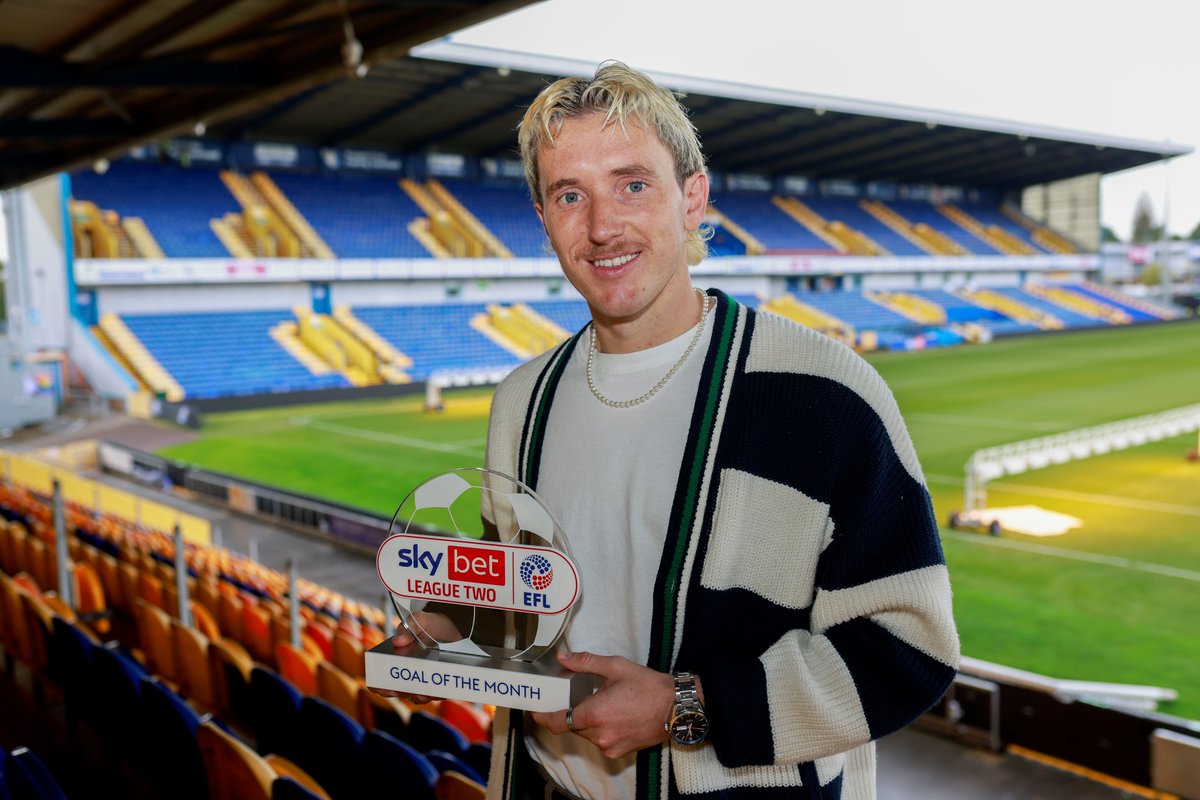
[[404, 643]]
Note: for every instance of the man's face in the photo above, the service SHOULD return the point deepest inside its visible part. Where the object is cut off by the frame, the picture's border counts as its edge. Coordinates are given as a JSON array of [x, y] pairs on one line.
[[618, 221]]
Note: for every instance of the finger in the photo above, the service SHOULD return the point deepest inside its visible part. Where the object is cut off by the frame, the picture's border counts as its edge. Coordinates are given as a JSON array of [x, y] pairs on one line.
[[555, 721], [591, 664]]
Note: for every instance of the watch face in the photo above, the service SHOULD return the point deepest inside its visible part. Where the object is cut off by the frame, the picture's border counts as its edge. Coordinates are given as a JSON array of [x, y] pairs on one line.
[[689, 727]]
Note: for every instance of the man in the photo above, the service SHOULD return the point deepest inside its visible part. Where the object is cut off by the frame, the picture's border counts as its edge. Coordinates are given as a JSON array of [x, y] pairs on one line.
[[761, 569]]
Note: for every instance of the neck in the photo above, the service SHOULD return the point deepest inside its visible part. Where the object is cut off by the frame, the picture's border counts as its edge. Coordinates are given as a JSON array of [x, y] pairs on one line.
[[652, 328]]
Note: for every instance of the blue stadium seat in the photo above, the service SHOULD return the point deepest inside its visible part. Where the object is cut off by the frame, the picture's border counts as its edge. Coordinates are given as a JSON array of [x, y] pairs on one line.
[[176, 204], [427, 732], [172, 757], [506, 210], [448, 762], [329, 748], [389, 763], [358, 216], [29, 779], [274, 713], [288, 789], [117, 684], [762, 219], [457, 346], [226, 353], [73, 655]]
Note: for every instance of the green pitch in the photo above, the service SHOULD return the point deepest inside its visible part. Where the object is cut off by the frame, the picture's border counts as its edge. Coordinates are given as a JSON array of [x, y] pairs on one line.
[[1117, 600]]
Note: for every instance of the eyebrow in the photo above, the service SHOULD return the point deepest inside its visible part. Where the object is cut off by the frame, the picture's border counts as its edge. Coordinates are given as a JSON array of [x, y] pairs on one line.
[[633, 170]]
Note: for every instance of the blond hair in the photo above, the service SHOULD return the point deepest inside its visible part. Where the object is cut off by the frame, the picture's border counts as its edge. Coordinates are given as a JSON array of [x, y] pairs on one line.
[[622, 95]]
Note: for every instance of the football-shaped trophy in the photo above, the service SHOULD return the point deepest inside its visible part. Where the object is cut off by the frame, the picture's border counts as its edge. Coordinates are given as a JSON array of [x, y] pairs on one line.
[[484, 606]]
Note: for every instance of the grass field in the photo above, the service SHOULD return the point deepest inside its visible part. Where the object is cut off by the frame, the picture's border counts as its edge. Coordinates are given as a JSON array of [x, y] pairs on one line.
[[1117, 600]]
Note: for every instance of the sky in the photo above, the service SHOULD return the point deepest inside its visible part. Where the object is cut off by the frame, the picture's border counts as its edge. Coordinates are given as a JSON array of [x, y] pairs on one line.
[[1112, 67], [1115, 67]]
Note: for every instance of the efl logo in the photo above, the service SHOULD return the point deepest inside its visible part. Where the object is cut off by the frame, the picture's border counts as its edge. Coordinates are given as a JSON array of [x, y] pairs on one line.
[[537, 572], [476, 565]]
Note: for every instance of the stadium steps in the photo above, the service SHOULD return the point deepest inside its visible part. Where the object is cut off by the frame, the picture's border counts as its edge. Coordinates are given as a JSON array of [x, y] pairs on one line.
[[786, 305], [102, 234], [337, 347], [1041, 235], [518, 329], [145, 365], [287, 334], [991, 235], [838, 235], [233, 235], [270, 235], [1079, 304], [311, 243], [391, 362], [140, 237], [753, 246], [1133, 303], [919, 309], [492, 245], [454, 240], [120, 358], [932, 241], [1012, 308]]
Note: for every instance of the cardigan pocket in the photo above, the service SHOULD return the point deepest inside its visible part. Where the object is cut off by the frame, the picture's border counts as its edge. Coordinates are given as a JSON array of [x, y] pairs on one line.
[[766, 538]]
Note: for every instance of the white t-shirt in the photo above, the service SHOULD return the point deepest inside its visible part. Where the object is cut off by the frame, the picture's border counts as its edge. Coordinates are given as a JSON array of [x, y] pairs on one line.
[[609, 476]]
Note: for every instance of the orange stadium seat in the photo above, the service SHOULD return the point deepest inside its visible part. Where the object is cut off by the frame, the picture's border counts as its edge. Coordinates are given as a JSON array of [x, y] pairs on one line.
[[456, 786], [229, 668], [235, 771], [192, 664], [348, 654], [155, 640], [297, 666], [339, 690]]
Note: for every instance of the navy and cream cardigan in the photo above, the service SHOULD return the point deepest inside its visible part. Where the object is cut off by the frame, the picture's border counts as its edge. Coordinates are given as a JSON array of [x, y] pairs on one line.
[[802, 575]]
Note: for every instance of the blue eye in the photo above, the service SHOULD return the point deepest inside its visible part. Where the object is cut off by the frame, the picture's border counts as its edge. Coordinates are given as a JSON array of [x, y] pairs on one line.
[[569, 198], [636, 187]]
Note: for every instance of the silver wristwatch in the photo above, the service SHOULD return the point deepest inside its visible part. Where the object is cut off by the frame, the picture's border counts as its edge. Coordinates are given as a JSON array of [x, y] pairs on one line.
[[688, 723]]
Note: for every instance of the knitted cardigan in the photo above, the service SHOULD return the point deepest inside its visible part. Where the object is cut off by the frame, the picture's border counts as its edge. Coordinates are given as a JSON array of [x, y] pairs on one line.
[[802, 575]]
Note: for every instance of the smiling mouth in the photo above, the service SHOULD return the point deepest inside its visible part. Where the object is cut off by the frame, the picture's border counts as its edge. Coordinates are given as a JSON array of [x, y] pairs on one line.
[[615, 261]]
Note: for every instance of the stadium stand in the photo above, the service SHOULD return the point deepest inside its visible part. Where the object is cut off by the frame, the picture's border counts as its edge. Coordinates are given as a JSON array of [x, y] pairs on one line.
[[505, 210], [359, 216], [219, 354], [176, 204], [458, 346], [160, 728], [774, 228]]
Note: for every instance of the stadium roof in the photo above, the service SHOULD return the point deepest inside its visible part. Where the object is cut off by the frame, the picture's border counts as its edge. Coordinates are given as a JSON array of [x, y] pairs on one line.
[[79, 81]]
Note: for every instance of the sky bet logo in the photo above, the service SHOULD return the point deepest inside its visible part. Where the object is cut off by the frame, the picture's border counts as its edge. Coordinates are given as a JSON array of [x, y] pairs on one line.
[[502, 575], [467, 564], [421, 559]]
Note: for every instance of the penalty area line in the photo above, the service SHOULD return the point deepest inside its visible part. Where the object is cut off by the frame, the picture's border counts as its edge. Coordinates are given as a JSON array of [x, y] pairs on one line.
[[389, 438], [1074, 555]]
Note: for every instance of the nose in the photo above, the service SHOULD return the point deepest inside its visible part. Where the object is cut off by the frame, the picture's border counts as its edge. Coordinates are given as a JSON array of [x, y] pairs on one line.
[[604, 220]]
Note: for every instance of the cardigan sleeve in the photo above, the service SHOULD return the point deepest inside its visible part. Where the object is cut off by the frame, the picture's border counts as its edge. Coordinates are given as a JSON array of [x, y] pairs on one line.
[[854, 642]]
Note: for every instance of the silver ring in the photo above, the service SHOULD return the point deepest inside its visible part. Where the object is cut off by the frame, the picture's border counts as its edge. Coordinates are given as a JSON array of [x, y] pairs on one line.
[[570, 721]]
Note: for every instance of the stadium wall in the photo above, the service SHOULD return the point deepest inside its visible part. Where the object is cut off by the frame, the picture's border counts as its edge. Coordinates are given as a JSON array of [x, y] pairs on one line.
[[1071, 207]]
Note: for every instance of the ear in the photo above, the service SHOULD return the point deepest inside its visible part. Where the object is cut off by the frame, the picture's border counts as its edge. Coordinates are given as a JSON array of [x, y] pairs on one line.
[[542, 219], [695, 195]]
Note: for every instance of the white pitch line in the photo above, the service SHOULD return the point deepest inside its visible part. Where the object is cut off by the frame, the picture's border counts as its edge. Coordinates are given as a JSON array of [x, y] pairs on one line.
[[1085, 497], [1074, 555], [986, 422], [390, 438]]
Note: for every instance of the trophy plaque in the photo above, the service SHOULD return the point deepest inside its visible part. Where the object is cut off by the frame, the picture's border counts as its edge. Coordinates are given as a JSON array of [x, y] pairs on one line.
[[485, 611]]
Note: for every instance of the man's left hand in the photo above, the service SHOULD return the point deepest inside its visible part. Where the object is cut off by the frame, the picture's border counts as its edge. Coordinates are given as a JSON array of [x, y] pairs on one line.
[[626, 714]]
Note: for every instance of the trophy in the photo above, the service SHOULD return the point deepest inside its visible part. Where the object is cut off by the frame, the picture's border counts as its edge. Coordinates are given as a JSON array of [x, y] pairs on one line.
[[486, 610]]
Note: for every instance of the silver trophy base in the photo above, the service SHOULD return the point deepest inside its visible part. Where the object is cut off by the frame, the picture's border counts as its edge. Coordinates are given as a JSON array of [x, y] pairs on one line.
[[527, 685]]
